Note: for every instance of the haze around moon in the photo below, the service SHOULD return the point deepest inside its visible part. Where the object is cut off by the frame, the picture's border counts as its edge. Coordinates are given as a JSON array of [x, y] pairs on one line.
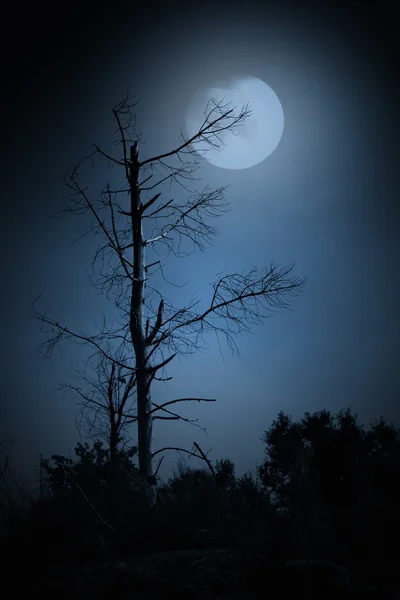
[[256, 138]]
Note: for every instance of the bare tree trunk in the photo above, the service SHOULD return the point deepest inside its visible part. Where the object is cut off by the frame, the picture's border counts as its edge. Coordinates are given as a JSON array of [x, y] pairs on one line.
[[112, 491], [145, 419]]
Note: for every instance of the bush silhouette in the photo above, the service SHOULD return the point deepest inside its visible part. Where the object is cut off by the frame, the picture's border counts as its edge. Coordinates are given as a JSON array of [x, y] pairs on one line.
[[338, 485], [328, 490]]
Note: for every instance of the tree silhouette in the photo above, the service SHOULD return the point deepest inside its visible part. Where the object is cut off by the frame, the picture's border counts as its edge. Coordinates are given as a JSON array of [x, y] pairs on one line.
[[340, 485], [150, 332]]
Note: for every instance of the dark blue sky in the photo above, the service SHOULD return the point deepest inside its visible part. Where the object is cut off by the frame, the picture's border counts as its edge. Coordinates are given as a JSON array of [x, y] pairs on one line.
[[327, 199]]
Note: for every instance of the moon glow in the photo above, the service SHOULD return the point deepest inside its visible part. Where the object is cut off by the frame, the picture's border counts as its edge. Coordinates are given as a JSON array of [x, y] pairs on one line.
[[259, 134]]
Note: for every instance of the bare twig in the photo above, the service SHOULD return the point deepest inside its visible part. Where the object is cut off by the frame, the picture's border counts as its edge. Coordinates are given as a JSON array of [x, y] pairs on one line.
[[94, 510]]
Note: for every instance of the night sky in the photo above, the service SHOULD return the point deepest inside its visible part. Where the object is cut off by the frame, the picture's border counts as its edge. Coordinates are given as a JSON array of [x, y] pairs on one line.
[[326, 199]]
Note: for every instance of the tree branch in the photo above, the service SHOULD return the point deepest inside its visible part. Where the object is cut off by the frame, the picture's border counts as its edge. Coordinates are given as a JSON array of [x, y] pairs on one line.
[[238, 299], [161, 406], [209, 129], [63, 332]]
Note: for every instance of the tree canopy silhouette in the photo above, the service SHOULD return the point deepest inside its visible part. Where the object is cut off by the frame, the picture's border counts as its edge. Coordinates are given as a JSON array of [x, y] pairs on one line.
[[338, 481]]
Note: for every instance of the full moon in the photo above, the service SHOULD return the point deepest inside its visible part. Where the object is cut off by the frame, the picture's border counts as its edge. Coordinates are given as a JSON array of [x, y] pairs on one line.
[[256, 138]]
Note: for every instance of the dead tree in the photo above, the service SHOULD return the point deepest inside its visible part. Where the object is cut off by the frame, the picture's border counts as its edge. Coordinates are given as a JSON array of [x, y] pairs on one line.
[[150, 331], [107, 403]]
